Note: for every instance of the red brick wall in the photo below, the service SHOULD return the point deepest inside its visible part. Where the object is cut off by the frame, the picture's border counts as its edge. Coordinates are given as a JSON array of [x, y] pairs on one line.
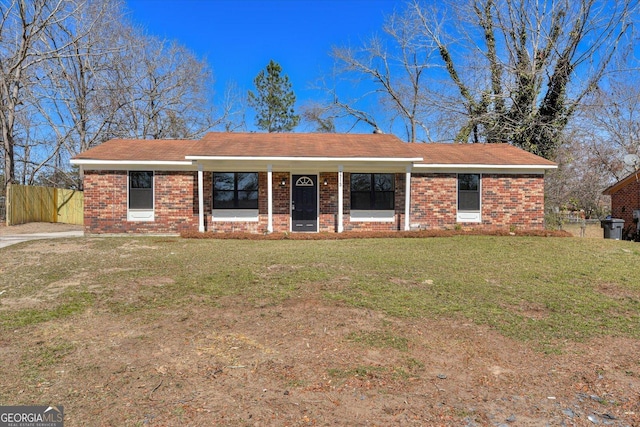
[[433, 200], [507, 201], [105, 203], [513, 201], [328, 209], [624, 201]]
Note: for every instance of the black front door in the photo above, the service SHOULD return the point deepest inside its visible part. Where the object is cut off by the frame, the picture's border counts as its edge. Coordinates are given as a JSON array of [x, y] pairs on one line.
[[304, 203]]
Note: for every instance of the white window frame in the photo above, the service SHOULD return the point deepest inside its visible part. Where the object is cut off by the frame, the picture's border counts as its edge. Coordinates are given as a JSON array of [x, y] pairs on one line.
[[474, 216], [143, 215]]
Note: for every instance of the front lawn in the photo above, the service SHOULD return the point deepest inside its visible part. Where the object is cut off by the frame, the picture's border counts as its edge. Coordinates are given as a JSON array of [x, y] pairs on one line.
[[97, 306]]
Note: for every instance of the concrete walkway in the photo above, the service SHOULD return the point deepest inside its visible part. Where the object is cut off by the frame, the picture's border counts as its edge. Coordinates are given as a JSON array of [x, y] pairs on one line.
[[9, 240]]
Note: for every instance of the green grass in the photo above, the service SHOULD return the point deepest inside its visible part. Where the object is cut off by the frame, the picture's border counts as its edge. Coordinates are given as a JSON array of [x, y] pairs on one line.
[[542, 290], [68, 304], [379, 339], [38, 361]]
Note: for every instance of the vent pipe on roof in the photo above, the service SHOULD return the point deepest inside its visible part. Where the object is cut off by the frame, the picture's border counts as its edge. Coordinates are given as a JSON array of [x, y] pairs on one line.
[[378, 131]]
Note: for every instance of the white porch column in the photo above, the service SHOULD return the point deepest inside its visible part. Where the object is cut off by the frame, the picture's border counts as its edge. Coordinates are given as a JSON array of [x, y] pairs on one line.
[[270, 198], [407, 200], [340, 198], [200, 199]]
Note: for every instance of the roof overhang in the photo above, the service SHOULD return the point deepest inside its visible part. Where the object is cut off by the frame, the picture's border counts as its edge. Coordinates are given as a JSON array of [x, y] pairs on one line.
[[293, 164], [91, 164], [484, 168], [323, 164], [635, 176]]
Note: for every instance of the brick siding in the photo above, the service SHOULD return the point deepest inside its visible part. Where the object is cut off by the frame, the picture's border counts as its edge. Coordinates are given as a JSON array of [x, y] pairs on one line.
[[433, 200], [105, 203], [507, 201], [513, 201]]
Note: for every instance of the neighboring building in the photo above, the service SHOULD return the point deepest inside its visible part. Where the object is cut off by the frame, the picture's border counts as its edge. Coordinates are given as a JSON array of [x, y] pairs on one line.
[[625, 202], [260, 182]]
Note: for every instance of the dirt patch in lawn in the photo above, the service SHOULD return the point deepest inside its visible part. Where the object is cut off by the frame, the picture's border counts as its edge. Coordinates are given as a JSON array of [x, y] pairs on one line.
[[309, 362]]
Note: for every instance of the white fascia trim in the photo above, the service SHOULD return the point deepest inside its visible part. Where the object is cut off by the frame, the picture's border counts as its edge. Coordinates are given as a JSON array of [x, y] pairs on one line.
[[130, 162], [487, 166], [308, 159]]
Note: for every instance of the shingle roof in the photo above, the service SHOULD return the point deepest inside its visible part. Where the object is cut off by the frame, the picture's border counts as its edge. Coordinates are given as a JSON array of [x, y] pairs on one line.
[[139, 150], [326, 145], [476, 154], [310, 145]]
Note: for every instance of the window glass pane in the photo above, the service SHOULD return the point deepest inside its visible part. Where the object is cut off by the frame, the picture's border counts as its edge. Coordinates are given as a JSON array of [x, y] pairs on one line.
[[223, 181], [383, 182], [223, 200], [468, 182], [247, 181], [360, 182], [247, 199], [235, 190], [383, 200], [468, 192], [141, 190], [140, 199], [360, 200], [469, 201], [140, 179], [372, 191], [223, 196]]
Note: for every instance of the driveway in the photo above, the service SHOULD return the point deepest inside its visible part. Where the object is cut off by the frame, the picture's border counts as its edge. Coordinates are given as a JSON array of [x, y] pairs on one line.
[[12, 239]]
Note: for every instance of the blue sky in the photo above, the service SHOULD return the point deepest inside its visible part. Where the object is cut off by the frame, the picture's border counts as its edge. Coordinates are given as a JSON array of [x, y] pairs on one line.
[[239, 37]]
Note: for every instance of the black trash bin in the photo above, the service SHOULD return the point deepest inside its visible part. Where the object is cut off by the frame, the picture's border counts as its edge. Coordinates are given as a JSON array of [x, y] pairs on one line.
[[612, 228]]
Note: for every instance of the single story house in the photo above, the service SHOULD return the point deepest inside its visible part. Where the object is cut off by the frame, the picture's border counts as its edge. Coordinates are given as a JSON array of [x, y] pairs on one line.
[[305, 182], [625, 201]]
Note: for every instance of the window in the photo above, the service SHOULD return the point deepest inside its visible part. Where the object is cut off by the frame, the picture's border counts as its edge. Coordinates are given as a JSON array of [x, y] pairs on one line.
[[141, 190], [372, 191], [468, 192], [235, 190]]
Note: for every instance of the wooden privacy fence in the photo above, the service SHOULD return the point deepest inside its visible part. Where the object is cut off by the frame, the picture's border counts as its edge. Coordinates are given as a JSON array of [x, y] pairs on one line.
[[26, 203]]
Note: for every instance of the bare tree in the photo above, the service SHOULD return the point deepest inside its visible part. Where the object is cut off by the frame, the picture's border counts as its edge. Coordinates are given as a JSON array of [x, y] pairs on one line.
[[578, 182], [398, 72], [164, 90], [23, 47], [73, 97], [613, 118], [601, 146], [233, 108], [521, 67], [318, 117]]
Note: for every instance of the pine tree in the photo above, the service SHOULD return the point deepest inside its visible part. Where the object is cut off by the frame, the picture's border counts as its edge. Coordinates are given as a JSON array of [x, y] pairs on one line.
[[273, 100]]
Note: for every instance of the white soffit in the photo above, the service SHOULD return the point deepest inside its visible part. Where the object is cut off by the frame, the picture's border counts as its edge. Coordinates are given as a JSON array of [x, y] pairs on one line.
[[482, 167]]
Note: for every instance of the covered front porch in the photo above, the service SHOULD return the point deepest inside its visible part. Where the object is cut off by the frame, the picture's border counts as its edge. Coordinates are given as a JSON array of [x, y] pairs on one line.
[[302, 194]]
